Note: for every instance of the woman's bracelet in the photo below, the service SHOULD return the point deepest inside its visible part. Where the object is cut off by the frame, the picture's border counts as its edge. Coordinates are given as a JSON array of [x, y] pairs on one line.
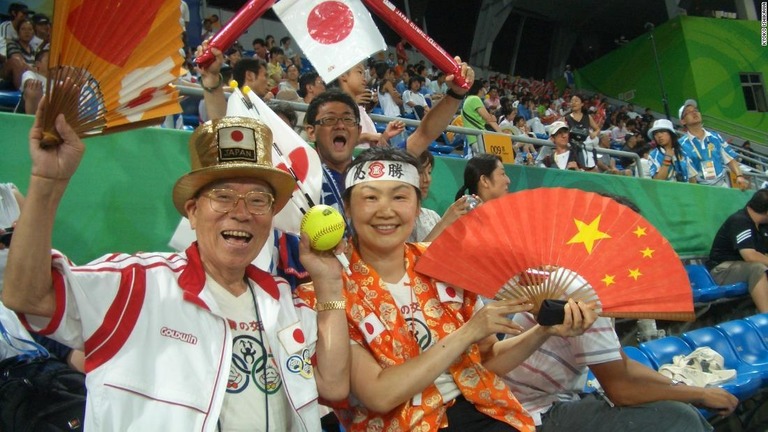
[[217, 86]]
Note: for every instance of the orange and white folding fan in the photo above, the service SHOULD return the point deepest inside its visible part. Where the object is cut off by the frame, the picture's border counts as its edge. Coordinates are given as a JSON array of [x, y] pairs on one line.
[[111, 65], [520, 245]]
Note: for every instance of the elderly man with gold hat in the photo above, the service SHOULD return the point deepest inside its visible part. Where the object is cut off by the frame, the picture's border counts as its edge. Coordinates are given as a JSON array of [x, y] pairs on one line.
[[198, 341]]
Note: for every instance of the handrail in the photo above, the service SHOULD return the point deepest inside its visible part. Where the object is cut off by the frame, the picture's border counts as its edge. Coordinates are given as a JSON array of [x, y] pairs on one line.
[[194, 90]]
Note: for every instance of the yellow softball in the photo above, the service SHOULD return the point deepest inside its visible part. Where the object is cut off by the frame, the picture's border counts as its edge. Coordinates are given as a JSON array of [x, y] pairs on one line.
[[324, 225]]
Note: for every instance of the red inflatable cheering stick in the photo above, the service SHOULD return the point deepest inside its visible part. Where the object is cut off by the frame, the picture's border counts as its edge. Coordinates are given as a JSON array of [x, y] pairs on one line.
[[411, 33], [234, 28]]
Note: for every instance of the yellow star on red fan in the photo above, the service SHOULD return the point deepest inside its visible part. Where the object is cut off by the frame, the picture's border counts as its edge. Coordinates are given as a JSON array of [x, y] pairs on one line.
[[609, 280], [635, 273], [588, 233], [647, 252], [639, 232]]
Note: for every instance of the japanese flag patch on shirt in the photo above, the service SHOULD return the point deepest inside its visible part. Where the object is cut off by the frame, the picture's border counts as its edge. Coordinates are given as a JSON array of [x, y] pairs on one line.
[[449, 294], [371, 327], [292, 338]]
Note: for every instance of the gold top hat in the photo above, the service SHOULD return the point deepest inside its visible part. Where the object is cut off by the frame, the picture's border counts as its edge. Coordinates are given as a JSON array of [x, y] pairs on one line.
[[229, 148]]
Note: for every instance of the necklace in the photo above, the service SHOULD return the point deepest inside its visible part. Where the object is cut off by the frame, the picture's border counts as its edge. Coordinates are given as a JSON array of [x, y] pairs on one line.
[[259, 326]]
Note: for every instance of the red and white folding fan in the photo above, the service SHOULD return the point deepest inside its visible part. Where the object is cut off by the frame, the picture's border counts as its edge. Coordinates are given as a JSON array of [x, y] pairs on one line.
[[510, 247], [111, 65]]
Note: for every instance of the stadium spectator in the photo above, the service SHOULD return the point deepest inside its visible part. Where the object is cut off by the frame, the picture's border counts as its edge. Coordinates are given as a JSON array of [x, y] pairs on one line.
[[568, 75], [42, 26], [352, 82], [389, 99], [620, 131], [492, 100], [189, 305], [21, 57], [580, 119], [290, 55], [207, 32], [275, 67], [707, 150], [668, 162], [475, 115], [260, 51], [233, 56], [269, 41], [484, 178], [332, 123], [549, 384], [563, 156], [402, 55], [413, 101], [605, 162], [310, 85], [415, 349], [291, 81], [9, 29], [738, 252], [438, 87]]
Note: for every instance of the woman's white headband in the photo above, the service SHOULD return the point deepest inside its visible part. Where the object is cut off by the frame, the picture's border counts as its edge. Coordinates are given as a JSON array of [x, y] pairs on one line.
[[379, 170]]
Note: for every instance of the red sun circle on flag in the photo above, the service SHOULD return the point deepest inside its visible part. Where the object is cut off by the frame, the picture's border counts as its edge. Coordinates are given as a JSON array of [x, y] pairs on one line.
[[236, 136], [298, 336], [369, 328], [330, 22], [451, 292]]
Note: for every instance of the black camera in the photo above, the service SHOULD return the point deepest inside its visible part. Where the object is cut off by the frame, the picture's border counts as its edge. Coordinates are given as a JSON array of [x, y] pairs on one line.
[[578, 135]]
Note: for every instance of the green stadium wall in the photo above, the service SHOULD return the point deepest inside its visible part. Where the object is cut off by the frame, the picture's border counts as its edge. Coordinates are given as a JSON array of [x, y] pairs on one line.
[[700, 58], [120, 198]]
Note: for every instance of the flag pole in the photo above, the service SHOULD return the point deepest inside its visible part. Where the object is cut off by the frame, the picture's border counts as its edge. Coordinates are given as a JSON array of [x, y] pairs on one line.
[[235, 27], [416, 37]]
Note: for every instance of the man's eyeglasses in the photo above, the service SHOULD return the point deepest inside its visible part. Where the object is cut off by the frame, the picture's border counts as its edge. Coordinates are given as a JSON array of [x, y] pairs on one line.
[[333, 121], [225, 200]]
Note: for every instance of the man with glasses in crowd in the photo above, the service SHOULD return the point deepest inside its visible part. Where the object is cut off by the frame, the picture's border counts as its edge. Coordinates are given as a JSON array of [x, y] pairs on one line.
[[708, 150], [199, 340], [332, 122]]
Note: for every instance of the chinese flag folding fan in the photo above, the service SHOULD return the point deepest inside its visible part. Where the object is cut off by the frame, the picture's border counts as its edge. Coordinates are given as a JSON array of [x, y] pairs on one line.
[[510, 247], [111, 65]]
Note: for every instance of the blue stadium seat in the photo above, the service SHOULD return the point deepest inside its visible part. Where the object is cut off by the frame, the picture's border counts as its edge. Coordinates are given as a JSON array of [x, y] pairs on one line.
[[746, 341], [748, 378], [635, 354], [434, 147], [704, 288], [9, 99], [661, 351], [760, 323]]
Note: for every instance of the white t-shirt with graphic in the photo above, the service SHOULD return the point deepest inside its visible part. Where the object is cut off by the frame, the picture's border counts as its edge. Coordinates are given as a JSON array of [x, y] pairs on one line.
[[410, 310], [252, 388]]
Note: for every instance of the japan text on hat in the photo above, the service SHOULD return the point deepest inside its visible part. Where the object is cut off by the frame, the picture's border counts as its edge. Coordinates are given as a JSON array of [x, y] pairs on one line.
[[690, 102], [230, 148], [556, 126]]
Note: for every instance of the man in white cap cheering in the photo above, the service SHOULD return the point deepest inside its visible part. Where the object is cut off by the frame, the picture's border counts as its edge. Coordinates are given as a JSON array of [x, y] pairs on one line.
[[707, 150]]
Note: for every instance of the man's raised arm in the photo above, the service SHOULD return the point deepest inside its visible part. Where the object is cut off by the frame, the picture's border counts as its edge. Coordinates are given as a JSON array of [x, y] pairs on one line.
[[441, 115], [28, 286]]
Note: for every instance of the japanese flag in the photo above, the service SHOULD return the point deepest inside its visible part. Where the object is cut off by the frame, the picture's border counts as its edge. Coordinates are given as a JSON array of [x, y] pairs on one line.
[[449, 294], [371, 327], [296, 153], [292, 338], [334, 34]]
